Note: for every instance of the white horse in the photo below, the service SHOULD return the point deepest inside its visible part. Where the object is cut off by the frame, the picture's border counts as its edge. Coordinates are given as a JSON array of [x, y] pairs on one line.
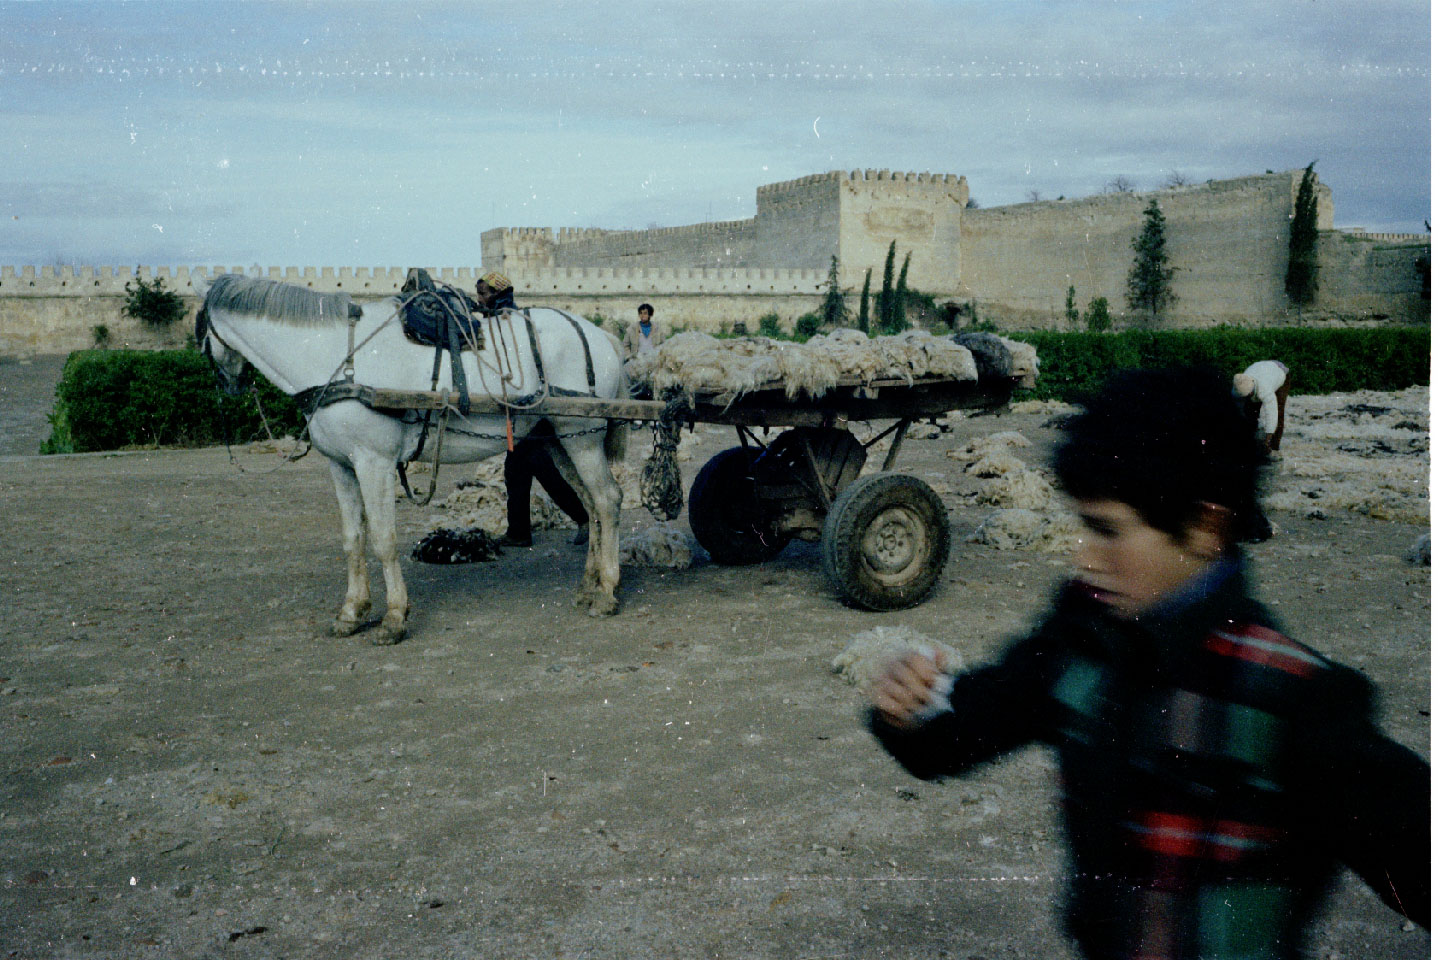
[[300, 339]]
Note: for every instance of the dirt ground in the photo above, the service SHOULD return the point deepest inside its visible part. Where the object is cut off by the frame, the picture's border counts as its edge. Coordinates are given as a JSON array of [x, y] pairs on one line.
[[191, 768]]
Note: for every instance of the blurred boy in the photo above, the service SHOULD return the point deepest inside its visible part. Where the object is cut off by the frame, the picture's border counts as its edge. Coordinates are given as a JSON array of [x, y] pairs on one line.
[[1216, 772]]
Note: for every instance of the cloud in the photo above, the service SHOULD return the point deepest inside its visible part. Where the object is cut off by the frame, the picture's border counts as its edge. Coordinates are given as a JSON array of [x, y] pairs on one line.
[[391, 132]]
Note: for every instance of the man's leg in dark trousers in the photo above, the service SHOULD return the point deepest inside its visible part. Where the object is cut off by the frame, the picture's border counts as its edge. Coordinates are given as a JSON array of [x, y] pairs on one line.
[[1281, 396], [554, 483], [518, 477], [529, 461]]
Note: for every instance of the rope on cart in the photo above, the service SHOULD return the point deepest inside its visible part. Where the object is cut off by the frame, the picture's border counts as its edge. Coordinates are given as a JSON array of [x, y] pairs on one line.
[[660, 488]]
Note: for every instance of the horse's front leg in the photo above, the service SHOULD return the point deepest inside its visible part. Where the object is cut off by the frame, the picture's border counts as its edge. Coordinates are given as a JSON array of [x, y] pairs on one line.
[[377, 488], [352, 534]]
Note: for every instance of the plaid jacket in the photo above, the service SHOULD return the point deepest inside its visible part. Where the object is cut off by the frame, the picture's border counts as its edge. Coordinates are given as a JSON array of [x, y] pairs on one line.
[[1216, 773]]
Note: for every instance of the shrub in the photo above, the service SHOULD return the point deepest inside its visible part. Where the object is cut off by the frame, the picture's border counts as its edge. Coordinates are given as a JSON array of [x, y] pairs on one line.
[[770, 326], [101, 334], [151, 303], [111, 399], [1072, 312], [1097, 315], [1320, 361], [806, 326]]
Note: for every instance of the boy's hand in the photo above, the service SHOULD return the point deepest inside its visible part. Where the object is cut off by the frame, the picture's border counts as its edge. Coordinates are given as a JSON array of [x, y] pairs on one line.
[[906, 688]]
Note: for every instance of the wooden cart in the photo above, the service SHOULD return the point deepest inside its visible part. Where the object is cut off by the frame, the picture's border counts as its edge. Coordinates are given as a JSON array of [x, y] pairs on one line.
[[884, 537]]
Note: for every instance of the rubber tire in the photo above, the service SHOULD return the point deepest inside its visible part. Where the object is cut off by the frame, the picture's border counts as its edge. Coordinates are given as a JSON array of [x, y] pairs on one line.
[[885, 541], [727, 534]]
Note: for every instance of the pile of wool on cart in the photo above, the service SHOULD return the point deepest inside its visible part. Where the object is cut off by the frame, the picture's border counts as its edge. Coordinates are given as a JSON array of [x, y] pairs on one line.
[[700, 363]]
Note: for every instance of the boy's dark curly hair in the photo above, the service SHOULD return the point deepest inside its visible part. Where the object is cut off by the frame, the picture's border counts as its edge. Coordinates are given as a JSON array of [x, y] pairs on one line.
[[1162, 441]]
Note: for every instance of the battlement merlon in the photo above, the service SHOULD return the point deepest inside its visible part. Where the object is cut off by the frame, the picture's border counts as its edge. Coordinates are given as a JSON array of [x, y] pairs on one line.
[[87, 281], [852, 176], [569, 234]]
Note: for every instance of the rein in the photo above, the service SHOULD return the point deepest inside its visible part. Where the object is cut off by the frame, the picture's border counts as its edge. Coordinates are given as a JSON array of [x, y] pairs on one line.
[[203, 334]]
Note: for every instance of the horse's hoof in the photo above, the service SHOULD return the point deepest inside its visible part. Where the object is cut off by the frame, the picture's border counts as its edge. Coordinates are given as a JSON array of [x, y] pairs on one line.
[[604, 607], [346, 628], [387, 636]]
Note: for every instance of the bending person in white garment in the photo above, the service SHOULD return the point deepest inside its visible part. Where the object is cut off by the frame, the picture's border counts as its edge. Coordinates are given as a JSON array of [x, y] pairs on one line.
[[1264, 387]]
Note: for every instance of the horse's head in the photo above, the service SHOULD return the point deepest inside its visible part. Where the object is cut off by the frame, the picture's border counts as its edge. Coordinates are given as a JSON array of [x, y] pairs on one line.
[[232, 372]]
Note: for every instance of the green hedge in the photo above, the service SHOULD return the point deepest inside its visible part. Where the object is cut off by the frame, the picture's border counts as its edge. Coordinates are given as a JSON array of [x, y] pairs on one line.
[[110, 399], [1320, 361]]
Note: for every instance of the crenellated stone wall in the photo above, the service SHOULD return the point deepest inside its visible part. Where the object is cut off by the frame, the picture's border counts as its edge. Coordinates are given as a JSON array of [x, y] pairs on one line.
[[48, 310], [723, 244], [1227, 240], [1373, 275]]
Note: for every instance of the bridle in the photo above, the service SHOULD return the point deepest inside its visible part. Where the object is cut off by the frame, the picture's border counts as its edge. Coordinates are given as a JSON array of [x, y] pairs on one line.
[[235, 387], [223, 382]]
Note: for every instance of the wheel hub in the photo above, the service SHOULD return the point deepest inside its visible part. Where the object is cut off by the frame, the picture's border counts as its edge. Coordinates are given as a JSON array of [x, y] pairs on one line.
[[894, 544]]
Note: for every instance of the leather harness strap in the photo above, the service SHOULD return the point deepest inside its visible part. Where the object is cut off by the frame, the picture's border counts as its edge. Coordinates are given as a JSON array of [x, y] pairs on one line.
[[313, 398], [534, 346], [589, 361], [540, 364]]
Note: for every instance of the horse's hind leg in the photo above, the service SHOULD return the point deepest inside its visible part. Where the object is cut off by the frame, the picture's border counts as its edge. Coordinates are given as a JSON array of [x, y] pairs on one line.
[[352, 533], [586, 467], [377, 488]]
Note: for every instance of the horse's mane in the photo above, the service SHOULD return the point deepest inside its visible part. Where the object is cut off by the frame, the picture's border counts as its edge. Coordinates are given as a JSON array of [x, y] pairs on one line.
[[281, 302]]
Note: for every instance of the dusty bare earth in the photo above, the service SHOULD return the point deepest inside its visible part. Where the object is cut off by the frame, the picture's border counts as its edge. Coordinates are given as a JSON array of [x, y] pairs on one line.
[[189, 767]]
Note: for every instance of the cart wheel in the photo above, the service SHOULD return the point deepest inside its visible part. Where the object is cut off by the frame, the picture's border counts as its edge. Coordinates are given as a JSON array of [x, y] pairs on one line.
[[725, 515], [886, 539]]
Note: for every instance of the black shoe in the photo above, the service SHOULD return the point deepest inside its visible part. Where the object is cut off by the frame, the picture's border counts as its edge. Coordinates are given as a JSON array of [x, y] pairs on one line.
[[511, 540], [582, 536]]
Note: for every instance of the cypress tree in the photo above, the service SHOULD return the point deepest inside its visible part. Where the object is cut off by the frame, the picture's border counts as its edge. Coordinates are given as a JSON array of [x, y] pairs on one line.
[[1302, 275], [897, 318], [832, 309], [862, 323], [887, 292], [1148, 286]]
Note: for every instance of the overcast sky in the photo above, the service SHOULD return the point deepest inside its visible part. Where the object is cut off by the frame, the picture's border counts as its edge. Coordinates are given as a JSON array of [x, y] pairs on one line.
[[393, 134]]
